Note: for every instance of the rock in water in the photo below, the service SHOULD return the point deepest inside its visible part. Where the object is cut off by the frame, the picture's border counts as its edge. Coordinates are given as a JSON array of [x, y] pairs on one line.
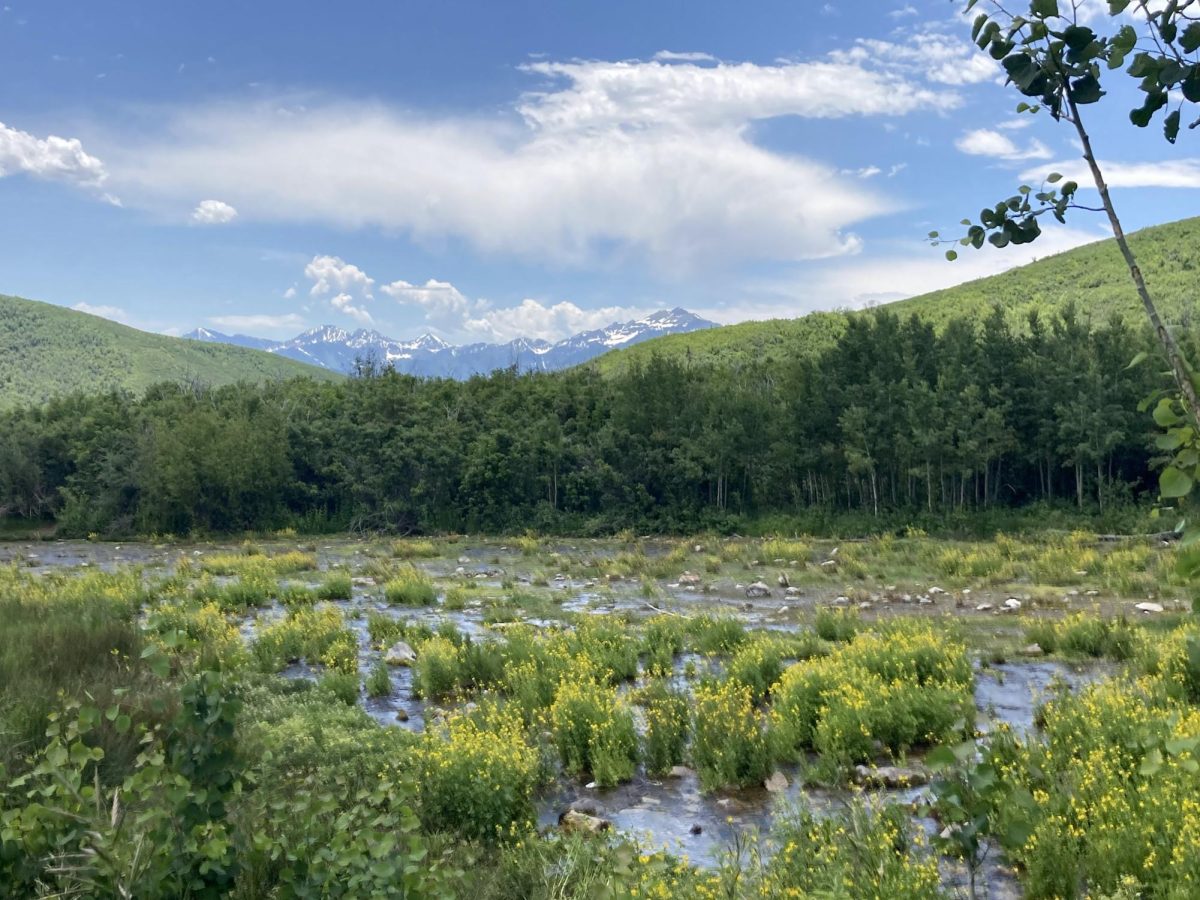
[[777, 783], [1149, 607], [400, 654], [758, 589], [572, 821], [889, 776]]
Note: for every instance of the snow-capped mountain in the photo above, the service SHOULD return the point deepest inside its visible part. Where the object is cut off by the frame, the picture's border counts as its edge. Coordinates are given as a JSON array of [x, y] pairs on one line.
[[335, 348]]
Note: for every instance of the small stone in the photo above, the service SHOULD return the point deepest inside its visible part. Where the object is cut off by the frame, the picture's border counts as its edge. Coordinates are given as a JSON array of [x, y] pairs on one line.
[[696, 829], [1033, 650], [464, 560], [1149, 607], [679, 772], [777, 783], [984, 607], [866, 604], [1012, 604], [689, 578], [793, 592], [402, 715], [758, 589], [936, 590]]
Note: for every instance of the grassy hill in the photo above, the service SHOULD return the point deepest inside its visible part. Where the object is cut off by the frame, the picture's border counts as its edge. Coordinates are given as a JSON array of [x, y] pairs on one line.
[[46, 349], [1094, 276]]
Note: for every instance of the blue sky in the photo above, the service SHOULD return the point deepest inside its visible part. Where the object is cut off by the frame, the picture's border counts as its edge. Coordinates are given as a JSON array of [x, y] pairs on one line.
[[487, 170]]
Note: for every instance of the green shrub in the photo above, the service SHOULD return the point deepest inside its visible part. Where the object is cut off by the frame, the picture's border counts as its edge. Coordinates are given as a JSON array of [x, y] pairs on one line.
[[336, 586], [837, 625], [436, 673], [409, 587], [716, 635], [477, 779], [594, 732], [729, 747], [757, 664], [379, 681], [668, 722], [662, 641]]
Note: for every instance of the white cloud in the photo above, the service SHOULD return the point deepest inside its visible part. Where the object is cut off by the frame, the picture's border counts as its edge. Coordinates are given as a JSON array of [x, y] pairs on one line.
[[892, 276], [903, 11], [864, 173], [350, 285], [612, 161], [442, 303], [986, 142], [344, 303], [687, 56], [634, 94], [1174, 173], [534, 319], [52, 158], [284, 325], [938, 57], [331, 273], [896, 169], [290, 293], [213, 212], [105, 312]]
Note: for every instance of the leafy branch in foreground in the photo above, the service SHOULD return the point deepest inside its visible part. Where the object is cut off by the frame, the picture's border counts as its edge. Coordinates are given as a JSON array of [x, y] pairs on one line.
[[1050, 57]]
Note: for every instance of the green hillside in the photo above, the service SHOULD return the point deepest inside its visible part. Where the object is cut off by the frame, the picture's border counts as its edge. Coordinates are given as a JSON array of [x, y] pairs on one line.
[[47, 349], [1094, 276]]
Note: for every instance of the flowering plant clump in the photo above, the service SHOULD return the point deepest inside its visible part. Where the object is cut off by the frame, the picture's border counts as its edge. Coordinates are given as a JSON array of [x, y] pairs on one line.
[[594, 732], [729, 748], [903, 686], [477, 778]]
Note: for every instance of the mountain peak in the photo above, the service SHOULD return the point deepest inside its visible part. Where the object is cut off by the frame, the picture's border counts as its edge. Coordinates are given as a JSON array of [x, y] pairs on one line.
[[428, 355]]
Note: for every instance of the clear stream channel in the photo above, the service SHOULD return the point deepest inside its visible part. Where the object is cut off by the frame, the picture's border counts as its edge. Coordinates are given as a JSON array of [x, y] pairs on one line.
[[663, 813]]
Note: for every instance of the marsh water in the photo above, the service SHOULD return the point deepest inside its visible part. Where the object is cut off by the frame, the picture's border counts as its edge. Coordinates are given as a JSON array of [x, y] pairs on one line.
[[672, 812]]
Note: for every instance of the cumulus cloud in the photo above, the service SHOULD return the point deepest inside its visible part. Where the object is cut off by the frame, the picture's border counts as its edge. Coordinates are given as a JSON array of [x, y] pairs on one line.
[[345, 304], [604, 161], [213, 212], [52, 158], [1174, 173], [331, 273], [986, 142], [350, 286]]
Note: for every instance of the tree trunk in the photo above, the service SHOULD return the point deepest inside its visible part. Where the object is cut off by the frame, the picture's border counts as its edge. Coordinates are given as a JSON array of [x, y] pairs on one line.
[[1179, 366]]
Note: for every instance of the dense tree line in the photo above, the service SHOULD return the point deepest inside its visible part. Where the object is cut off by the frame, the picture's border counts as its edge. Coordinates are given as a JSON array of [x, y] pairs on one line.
[[894, 417]]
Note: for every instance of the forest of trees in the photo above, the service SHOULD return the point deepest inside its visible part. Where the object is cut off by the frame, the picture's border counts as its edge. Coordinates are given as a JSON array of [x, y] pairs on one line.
[[895, 418]]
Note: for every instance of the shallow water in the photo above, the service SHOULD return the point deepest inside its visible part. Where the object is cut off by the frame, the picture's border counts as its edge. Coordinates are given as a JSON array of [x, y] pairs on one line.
[[664, 812]]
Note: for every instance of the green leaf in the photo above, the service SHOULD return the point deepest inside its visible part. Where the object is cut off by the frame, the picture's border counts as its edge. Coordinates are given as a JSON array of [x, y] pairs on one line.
[[1077, 37], [1138, 360], [1171, 126], [1174, 482], [1086, 90], [1054, 178], [1189, 41], [1044, 8], [1165, 415], [951, 255], [1169, 441], [940, 758]]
